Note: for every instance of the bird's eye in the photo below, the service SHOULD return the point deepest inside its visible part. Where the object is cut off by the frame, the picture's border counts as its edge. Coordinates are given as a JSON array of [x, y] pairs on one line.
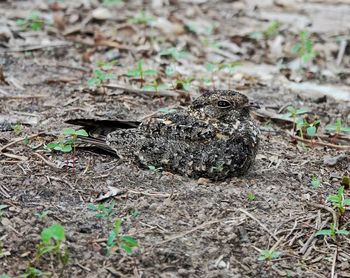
[[224, 104]]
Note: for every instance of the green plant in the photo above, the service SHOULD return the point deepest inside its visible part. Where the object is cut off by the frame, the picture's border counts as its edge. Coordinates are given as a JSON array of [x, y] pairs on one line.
[[339, 201], [34, 272], [111, 2], [210, 43], [174, 53], [155, 86], [272, 30], [304, 48], [184, 84], [166, 110], [140, 72], [154, 169], [269, 255], [116, 241], [101, 74], [294, 114], [201, 29], [17, 128], [332, 232], [4, 276], [303, 126], [135, 212], [52, 239], [251, 197], [337, 127], [102, 210], [67, 140], [142, 18], [315, 182], [41, 215], [2, 207], [33, 22]]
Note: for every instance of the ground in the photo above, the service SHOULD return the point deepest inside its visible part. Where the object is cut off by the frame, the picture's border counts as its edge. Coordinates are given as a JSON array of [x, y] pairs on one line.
[[50, 72]]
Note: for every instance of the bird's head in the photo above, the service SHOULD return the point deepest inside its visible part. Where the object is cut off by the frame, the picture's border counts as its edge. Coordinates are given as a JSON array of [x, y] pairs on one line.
[[223, 105]]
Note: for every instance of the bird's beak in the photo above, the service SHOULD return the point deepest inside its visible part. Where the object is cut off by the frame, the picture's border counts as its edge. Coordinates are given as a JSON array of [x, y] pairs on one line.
[[253, 104]]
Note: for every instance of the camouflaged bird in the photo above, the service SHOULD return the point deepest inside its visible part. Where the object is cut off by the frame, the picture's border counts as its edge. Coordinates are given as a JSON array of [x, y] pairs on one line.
[[214, 138]]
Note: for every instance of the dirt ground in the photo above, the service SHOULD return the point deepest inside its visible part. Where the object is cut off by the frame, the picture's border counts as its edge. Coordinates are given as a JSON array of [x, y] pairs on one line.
[[184, 227]]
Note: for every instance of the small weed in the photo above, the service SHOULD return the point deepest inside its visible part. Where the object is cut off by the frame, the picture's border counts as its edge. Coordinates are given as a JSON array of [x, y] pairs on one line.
[[315, 182], [304, 48], [116, 241], [251, 197], [17, 129], [169, 71], [101, 74], [4, 276], [294, 114], [42, 215], [155, 86], [332, 232], [2, 207], [184, 84], [52, 239], [166, 110], [142, 18], [337, 127], [174, 53], [210, 43], [109, 3], [102, 210], [67, 140], [135, 212], [269, 255], [303, 126], [270, 32], [33, 22], [201, 29], [140, 72], [34, 272], [339, 201], [153, 168]]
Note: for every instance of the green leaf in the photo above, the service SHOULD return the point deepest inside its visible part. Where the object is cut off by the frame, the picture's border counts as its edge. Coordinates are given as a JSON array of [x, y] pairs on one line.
[[324, 233], [55, 231], [333, 198], [111, 237], [150, 72], [3, 207], [134, 73], [82, 132], [311, 131], [342, 232], [118, 222], [68, 131], [129, 240], [92, 207], [169, 71], [166, 110], [126, 248], [346, 202]]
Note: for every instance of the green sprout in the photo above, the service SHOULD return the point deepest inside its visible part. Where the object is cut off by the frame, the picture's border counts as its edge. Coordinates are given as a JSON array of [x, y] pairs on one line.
[[116, 241], [42, 215], [332, 232], [17, 128], [109, 3], [315, 182], [154, 169], [269, 255], [337, 127], [34, 272], [101, 74], [311, 128], [294, 114], [2, 208], [304, 48], [155, 86], [102, 210], [67, 140], [339, 201], [174, 53], [140, 72], [142, 18], [166, 110], [270, 32], [251, 197], [184, 84], [33, 22], [52, 239]]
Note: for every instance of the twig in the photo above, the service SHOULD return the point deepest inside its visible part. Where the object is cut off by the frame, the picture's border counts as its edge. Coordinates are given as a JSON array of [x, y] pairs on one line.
[[22, 97], [150, 194], [19, 157], [320, 143], [341, 51], [37, 47], [332, 211], [335, 255], [201, 226], [165, 93], [257, 221], [51, 164], [20, 140]]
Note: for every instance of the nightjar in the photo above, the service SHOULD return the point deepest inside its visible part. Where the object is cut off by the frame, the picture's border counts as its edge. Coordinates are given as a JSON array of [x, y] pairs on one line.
[[214, 138]]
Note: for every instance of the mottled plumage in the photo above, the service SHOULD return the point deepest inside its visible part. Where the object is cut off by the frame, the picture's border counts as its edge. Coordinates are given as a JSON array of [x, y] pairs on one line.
[[214, 138]]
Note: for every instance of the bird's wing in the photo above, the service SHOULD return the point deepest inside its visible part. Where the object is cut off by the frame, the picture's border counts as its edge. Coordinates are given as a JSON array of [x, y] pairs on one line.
[[177, 126]]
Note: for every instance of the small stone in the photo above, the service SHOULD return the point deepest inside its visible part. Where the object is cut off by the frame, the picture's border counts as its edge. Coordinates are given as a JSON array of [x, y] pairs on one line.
[[333, 160], [222, 265], [203, 181], [101, 14]]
